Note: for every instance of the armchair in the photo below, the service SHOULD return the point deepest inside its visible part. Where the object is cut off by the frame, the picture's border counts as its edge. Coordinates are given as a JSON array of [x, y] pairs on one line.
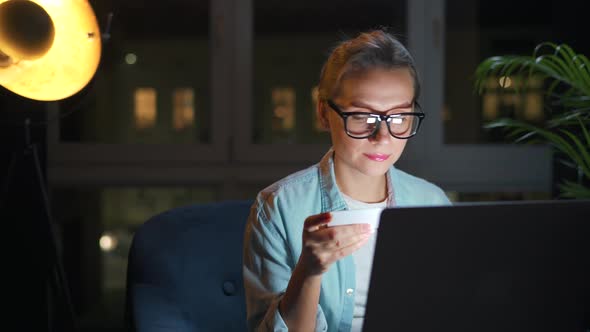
[[185, 270]]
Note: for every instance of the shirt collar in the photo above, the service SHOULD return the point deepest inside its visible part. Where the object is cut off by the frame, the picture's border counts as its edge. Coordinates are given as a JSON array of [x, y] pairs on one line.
[[332, 200]]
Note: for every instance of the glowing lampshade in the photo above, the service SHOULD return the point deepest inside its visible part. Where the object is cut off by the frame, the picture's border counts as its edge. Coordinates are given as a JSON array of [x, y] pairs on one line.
[[49, 49]]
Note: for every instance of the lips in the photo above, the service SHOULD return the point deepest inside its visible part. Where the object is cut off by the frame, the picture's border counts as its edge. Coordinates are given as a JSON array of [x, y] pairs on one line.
[[377, 156]]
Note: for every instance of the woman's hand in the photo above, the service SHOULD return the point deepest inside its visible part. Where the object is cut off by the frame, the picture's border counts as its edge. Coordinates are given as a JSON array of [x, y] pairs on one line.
[[324, 245]]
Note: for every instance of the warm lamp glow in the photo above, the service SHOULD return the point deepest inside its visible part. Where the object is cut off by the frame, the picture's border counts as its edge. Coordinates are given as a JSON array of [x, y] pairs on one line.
[[27, 67]]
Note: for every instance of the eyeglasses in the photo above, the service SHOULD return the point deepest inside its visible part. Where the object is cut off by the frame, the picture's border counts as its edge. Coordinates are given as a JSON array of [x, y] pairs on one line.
[[361, 125]]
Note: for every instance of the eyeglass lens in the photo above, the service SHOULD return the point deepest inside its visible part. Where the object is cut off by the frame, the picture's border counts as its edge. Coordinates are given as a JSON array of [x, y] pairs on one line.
[[362, 125]]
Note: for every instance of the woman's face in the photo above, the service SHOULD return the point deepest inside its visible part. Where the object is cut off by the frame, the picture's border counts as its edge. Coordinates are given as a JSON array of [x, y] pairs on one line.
[[378, 91]]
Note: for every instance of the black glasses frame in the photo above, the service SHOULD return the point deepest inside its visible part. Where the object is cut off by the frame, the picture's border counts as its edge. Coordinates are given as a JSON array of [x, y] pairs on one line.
[[381, 118]]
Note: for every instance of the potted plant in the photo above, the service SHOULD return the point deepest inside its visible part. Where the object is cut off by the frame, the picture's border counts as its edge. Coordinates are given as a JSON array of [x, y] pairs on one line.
[[566, 125]]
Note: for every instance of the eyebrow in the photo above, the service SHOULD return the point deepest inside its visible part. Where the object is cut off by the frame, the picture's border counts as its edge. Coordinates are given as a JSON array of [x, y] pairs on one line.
[[363, 105]]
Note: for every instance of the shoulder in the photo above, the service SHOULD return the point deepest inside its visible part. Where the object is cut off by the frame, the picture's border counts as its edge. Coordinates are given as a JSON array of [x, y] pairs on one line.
[[293, 181], [412, 190], [293, 193]]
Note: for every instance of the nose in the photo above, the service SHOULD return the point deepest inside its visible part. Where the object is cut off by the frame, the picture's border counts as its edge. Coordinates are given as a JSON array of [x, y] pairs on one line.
[[382, 135]]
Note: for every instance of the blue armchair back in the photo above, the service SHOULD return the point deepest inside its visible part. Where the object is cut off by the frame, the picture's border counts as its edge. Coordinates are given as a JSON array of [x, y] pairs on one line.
[[185, 270]]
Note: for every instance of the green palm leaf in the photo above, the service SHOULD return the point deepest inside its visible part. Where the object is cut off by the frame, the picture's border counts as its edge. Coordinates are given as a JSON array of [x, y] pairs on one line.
[[571, 189], [567, 75]]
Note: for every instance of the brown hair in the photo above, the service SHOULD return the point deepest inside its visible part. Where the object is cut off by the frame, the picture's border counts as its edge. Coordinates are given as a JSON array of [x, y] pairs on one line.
[[375, 49]]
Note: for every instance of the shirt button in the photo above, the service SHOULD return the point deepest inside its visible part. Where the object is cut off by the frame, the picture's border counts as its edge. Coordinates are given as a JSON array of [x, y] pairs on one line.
[[349, 291]]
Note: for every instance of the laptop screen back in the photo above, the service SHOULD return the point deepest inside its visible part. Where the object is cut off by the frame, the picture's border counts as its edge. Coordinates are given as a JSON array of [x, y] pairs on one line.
[[482, 267]]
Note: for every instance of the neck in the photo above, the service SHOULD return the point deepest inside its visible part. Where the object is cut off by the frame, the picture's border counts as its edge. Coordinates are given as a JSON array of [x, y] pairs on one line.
[[368, 189]]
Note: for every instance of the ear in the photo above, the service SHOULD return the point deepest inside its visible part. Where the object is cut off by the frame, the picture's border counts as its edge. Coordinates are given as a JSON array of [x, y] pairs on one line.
[[322, 114]]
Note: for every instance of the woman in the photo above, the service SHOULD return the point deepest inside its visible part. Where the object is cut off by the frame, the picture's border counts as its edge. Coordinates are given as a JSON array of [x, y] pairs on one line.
[[298, 273]]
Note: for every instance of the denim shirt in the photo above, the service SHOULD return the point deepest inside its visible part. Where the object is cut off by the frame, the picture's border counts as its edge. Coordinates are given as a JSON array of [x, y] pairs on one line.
[[273, 242]]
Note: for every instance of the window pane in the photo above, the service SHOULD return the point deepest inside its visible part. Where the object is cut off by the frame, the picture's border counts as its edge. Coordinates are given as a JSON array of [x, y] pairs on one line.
[[291, 42], [152, 85], [476, 30], [145, 108], [97, 229], [184, 109]]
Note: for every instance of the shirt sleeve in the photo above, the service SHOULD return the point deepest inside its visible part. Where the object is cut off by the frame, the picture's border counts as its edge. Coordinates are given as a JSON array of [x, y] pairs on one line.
[[266, 271], [443, 199]]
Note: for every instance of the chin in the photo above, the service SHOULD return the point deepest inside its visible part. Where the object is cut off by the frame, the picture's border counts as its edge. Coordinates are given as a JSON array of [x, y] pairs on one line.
[[375, 170]]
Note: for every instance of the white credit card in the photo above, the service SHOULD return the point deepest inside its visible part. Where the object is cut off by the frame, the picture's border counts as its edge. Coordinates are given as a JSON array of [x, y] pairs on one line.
[[362, 216]]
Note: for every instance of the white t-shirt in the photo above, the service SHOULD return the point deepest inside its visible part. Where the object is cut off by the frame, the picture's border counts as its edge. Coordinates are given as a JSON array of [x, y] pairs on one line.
[[363, 260]]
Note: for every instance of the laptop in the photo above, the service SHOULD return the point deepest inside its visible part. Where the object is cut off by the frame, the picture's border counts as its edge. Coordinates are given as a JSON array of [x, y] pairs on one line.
[[506, 266]]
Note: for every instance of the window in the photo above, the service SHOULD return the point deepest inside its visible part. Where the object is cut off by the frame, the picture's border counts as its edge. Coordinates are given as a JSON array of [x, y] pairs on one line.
[[159, 46], [462, 165], [478, 30], [98, 225], [287, 53]]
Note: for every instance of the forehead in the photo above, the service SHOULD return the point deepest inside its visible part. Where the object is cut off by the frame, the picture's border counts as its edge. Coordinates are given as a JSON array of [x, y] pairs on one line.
[[376, 86]]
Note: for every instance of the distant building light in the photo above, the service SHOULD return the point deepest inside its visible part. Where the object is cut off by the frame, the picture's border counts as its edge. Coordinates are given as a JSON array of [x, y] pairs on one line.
[[283, 105], [130, 58], [145, 108], [107, 242], [183, 115], [505, 82], [315, 96]]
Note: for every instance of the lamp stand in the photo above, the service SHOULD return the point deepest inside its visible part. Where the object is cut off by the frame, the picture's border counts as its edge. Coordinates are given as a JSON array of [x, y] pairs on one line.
[[56, 278]]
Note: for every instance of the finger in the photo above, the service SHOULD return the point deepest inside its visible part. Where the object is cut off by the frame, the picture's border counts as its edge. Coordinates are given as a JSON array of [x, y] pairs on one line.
[[315, 222], [354, 246], [342, 232], [361, 229], [324, 257], [337, 237]]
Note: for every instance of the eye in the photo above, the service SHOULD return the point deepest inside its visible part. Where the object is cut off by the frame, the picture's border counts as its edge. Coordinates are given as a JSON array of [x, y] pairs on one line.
[[396, 120], [361, 117], [371, 120]]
